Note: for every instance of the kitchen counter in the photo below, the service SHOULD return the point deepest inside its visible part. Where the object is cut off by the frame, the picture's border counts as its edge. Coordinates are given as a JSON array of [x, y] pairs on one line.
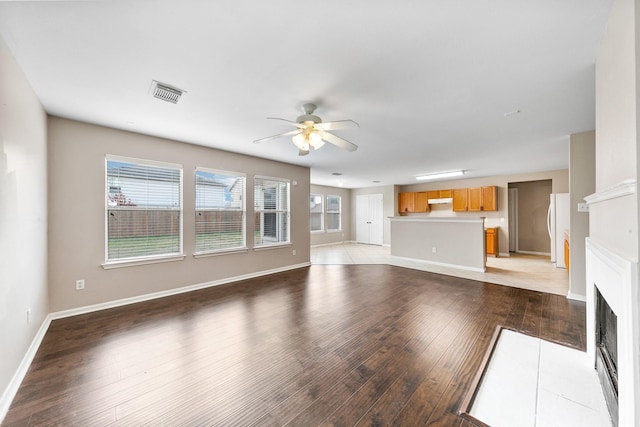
[[447, 241]]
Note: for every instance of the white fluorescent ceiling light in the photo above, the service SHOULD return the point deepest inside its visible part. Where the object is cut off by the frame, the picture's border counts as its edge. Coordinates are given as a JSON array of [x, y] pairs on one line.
[[440, 175]]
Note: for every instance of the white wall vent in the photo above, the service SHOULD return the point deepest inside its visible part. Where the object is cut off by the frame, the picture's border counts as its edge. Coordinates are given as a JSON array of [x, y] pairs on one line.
[[165, 92]]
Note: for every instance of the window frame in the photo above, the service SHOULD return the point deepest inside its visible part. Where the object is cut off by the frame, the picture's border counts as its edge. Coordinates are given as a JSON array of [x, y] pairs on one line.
[[320, 214], [331, 212], [278, 211], [143, 259], [243, 210]]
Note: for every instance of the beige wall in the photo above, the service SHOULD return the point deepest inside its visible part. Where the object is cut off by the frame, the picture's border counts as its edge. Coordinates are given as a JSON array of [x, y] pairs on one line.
[[23, 219], [614, 223], [582, 165], [533, 206], [453, 242], [77, 224], [324, 237], [559, 180]]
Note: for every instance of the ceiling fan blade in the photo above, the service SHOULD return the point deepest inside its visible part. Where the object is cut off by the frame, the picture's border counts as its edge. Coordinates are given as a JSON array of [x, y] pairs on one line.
[[303, 152], [296, 124], [339, 142], [338, 124], [280, 135]]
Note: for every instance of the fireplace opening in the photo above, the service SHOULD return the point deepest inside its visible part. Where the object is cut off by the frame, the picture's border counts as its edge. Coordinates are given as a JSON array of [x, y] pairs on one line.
[[607, 353]]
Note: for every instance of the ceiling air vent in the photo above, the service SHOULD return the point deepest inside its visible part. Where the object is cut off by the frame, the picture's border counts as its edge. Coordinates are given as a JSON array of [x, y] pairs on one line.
[[166, 92]]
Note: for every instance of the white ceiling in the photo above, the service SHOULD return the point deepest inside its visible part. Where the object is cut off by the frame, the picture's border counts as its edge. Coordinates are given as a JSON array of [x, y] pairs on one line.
[[429, 81]]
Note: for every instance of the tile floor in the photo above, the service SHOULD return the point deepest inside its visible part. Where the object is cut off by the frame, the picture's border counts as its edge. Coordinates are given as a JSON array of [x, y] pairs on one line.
[[530, 382], [532, 272]]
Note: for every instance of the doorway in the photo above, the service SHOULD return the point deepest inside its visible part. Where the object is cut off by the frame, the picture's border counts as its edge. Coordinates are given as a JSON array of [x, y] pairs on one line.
[[528, 206]]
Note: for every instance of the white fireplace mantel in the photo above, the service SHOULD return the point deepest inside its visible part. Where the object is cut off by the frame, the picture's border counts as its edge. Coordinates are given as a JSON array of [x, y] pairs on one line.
[[617, 280]]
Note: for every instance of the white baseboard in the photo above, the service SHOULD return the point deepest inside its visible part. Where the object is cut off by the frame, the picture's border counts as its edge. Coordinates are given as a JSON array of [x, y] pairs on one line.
[[10, 392], [169, 292], [440, 264], [534, 253], [576, 297], [12, 388]]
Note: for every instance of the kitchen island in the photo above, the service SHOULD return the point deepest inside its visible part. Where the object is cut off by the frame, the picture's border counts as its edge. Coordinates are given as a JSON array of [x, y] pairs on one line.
[[446, 241]]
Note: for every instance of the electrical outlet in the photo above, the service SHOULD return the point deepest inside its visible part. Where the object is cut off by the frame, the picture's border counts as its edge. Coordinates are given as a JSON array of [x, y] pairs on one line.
[[294, 252], [79, 284], [583, 207], [28, 316], [434, 250]]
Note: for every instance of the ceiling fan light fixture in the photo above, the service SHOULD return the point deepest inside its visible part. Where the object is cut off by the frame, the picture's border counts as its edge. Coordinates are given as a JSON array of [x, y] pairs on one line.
[[450, 174], [315, 140], [301, 142]]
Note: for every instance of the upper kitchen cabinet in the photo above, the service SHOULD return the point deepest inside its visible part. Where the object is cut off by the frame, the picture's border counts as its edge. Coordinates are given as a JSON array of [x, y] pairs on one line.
[[459, 199], [413, 202], [406, 202], [422, 202], [483, 199]]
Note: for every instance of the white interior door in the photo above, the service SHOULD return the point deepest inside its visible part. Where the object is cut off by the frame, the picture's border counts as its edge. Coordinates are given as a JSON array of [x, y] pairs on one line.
[[369, 219]]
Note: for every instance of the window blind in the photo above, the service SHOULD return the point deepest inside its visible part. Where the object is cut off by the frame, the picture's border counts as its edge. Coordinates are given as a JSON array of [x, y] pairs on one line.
[[334, 213], [271, 206], [144, 209], [316, 212], [220, 210]]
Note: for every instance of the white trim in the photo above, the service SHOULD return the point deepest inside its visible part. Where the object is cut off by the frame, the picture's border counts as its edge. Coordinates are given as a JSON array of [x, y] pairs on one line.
[[133, 262], [616, 278], [12, 388], [534, 253], [441, 264], [218, 252], [624, 188], [432, 219], [274, 246], [170, 292], [149, 162], [576, 297]]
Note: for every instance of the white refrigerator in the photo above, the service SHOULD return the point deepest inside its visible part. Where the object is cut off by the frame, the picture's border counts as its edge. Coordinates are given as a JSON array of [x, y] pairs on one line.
[[557, 224]]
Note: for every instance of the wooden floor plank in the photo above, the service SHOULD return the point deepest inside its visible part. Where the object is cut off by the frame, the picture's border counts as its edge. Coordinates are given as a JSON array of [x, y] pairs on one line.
[[325, 345]]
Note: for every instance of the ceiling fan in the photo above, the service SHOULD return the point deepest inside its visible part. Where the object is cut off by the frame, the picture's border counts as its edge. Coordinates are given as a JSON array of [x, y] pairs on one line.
[[311, 132]]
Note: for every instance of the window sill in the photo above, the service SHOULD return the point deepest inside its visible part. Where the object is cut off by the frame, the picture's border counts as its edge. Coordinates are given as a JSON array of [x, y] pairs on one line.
[[278, 246], [334, 231], [141, 261], [219, 252], [317, 231]]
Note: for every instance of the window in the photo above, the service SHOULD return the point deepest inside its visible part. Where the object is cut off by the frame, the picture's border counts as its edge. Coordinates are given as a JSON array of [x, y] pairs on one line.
[[334, 213], [220, 210], [271, 198], [144, 209], [317, 212]]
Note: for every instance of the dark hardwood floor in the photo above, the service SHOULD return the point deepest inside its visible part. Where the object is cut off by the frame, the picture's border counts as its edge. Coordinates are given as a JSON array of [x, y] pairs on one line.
[[326, 345]]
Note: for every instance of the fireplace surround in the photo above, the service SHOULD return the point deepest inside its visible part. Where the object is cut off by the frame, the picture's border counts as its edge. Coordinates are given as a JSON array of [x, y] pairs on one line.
[[615, 278]]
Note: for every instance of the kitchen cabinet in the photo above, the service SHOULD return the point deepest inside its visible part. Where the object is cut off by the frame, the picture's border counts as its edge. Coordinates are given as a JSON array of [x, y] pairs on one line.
[[459, 199], [491, 237], [421, 202], [406, 202], [439, 194], [482, 199]]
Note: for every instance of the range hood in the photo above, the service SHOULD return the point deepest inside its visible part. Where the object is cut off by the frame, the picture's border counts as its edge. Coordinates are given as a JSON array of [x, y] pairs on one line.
[[440, 201]]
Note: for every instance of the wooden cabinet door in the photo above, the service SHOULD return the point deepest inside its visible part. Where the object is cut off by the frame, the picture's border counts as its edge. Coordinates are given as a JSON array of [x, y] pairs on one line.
[[445, 194], [433, 194], [490, 198], [491, 235], [459, 199], [475, 200], [422, 202], [406, 202]]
